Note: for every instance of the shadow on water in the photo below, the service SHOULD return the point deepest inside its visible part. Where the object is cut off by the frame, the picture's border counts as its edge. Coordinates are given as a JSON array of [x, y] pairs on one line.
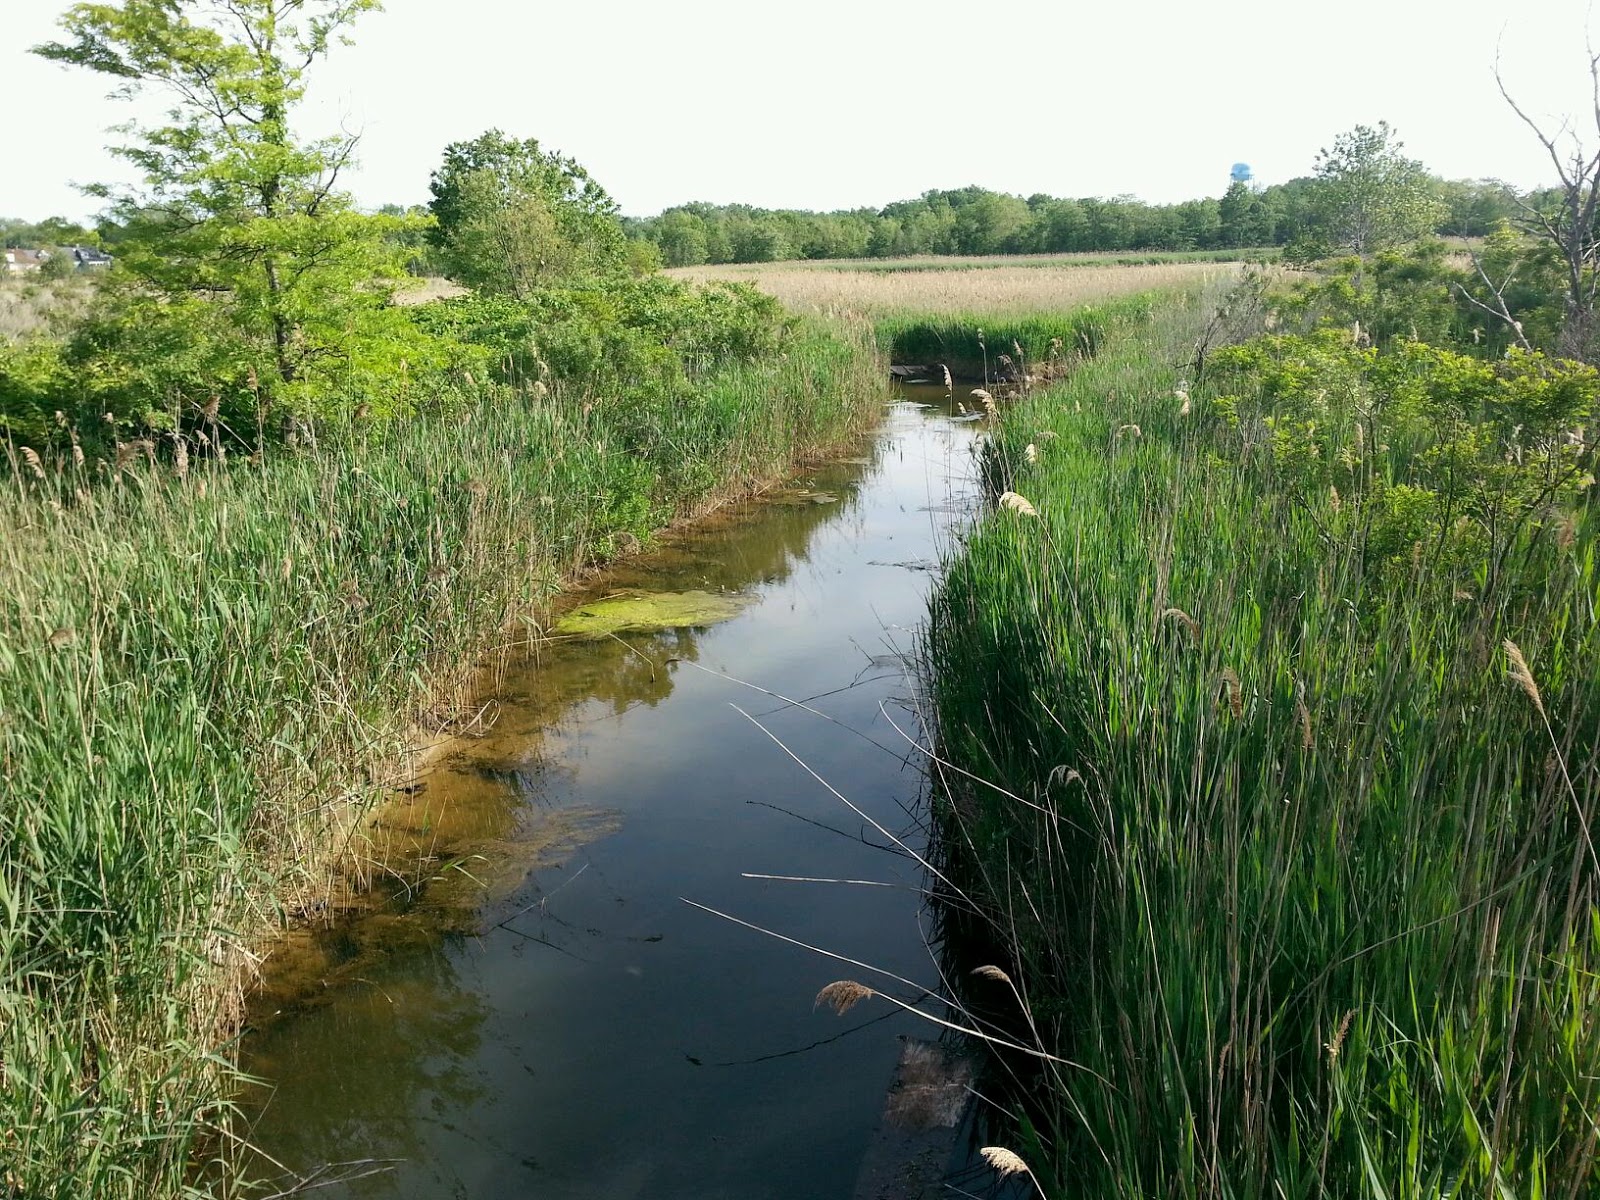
[[525, 1006]]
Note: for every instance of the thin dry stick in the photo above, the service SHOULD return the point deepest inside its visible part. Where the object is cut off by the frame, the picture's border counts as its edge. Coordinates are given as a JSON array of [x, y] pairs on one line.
[[910, 1008]]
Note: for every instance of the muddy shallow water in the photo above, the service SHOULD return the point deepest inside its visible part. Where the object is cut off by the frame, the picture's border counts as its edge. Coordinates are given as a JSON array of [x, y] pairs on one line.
[[536, 1010]]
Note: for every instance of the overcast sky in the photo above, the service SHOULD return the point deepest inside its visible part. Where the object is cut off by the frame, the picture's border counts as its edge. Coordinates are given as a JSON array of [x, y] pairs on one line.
[[844, 103]]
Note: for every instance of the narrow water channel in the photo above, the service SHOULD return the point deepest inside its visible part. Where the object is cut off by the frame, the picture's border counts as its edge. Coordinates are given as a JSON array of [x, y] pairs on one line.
[[539, 1012]]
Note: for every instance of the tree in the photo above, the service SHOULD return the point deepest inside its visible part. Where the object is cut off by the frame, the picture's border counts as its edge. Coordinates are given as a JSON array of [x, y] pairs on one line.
[[512, 218], [1371, 197], [1243, 217], [1566, 219], [239, 229]]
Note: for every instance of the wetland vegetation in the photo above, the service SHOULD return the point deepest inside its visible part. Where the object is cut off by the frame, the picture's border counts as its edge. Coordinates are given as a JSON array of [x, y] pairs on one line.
[[1261, 700]]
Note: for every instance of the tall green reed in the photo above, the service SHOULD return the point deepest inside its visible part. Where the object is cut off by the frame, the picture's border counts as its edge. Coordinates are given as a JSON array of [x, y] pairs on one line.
[[204, 669], [1295, 863]]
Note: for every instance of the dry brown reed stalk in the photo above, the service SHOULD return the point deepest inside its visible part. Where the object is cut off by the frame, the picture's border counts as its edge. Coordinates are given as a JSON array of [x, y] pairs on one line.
[[1522, 676], [1018, 504], [842, 995], [1188, 622], [1234, 691]]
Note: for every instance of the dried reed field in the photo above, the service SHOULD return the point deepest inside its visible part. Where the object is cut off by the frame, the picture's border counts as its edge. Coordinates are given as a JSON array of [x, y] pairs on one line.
[[980, 291]]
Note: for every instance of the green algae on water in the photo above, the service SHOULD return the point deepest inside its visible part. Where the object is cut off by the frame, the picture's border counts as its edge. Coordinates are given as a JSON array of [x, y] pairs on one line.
[[648, 612]]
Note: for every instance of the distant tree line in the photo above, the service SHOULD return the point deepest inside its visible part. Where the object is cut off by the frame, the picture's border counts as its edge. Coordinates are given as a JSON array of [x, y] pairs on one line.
[[974, 220]]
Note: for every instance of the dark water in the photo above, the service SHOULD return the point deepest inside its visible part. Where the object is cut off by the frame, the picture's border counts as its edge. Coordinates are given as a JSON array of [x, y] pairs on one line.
[[545, 1016]]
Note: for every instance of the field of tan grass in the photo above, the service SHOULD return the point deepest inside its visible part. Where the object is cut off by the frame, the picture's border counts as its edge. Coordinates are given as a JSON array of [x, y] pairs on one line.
[[990, 290]]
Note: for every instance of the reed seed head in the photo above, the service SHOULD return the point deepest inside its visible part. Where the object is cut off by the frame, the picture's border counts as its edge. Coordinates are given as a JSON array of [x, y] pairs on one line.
[[1522, 675], [994, 973], [842, 995], [1005, 1162], [1188, 622], [1235, 693], [1018, 504], [1337, 1044]]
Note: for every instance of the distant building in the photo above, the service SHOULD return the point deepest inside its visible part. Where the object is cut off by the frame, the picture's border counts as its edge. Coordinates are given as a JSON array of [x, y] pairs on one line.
[[19, 261], [87, 258]]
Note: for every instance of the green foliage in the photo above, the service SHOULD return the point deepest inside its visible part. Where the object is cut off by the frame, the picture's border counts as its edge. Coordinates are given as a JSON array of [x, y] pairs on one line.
[[189, 650], [1286, 854], [1424, 291], [511, 218], [1371, 197], [1432, 453], [237, 242]]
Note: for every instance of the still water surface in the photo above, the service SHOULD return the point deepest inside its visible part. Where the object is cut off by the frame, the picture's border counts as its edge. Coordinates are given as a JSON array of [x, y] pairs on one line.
[[549, 1018]]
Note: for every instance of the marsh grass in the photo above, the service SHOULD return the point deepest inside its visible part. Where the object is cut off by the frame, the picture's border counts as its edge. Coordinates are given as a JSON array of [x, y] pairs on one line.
[[1293, 860], [204, 670], [959, 292]]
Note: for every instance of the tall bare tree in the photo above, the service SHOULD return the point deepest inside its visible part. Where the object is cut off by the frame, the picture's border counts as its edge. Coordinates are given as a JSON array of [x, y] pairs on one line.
[[1565, 216]]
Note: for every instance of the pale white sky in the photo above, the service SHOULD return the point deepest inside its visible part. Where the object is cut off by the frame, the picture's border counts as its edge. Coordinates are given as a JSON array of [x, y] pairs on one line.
[[840, 103]]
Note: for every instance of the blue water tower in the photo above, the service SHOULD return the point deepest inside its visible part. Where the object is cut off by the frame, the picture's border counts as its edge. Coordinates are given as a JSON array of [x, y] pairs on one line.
[[1241, 173]]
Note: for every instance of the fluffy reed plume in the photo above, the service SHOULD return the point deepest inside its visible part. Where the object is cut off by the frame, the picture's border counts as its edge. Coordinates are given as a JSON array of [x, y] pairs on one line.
[[1018, 504], [1047, 435], [994, 973], [1005, 1162], [1181, 392], [180, 458], [949, 384], [1302, 711], [1230, 682], [1523, 676], [211, 408], [62, 637], [477, 488], [842, 995], [1334, 500], [1031, 453], [1131, 430], [1188, 622], [988, 400], [31, 457]]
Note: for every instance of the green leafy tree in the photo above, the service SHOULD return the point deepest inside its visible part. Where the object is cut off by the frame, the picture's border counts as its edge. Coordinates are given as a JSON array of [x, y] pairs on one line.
[[1243, 217], [512, 218], [1371, 197], [239, 238]]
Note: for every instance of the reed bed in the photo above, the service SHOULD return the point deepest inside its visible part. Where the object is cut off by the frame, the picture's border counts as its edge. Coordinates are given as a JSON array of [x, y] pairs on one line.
[[204, 669], [1291, 863], [989, 292]]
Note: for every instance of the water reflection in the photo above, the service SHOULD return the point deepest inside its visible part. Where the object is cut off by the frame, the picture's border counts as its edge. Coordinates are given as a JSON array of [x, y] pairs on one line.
[[534, 1011]]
